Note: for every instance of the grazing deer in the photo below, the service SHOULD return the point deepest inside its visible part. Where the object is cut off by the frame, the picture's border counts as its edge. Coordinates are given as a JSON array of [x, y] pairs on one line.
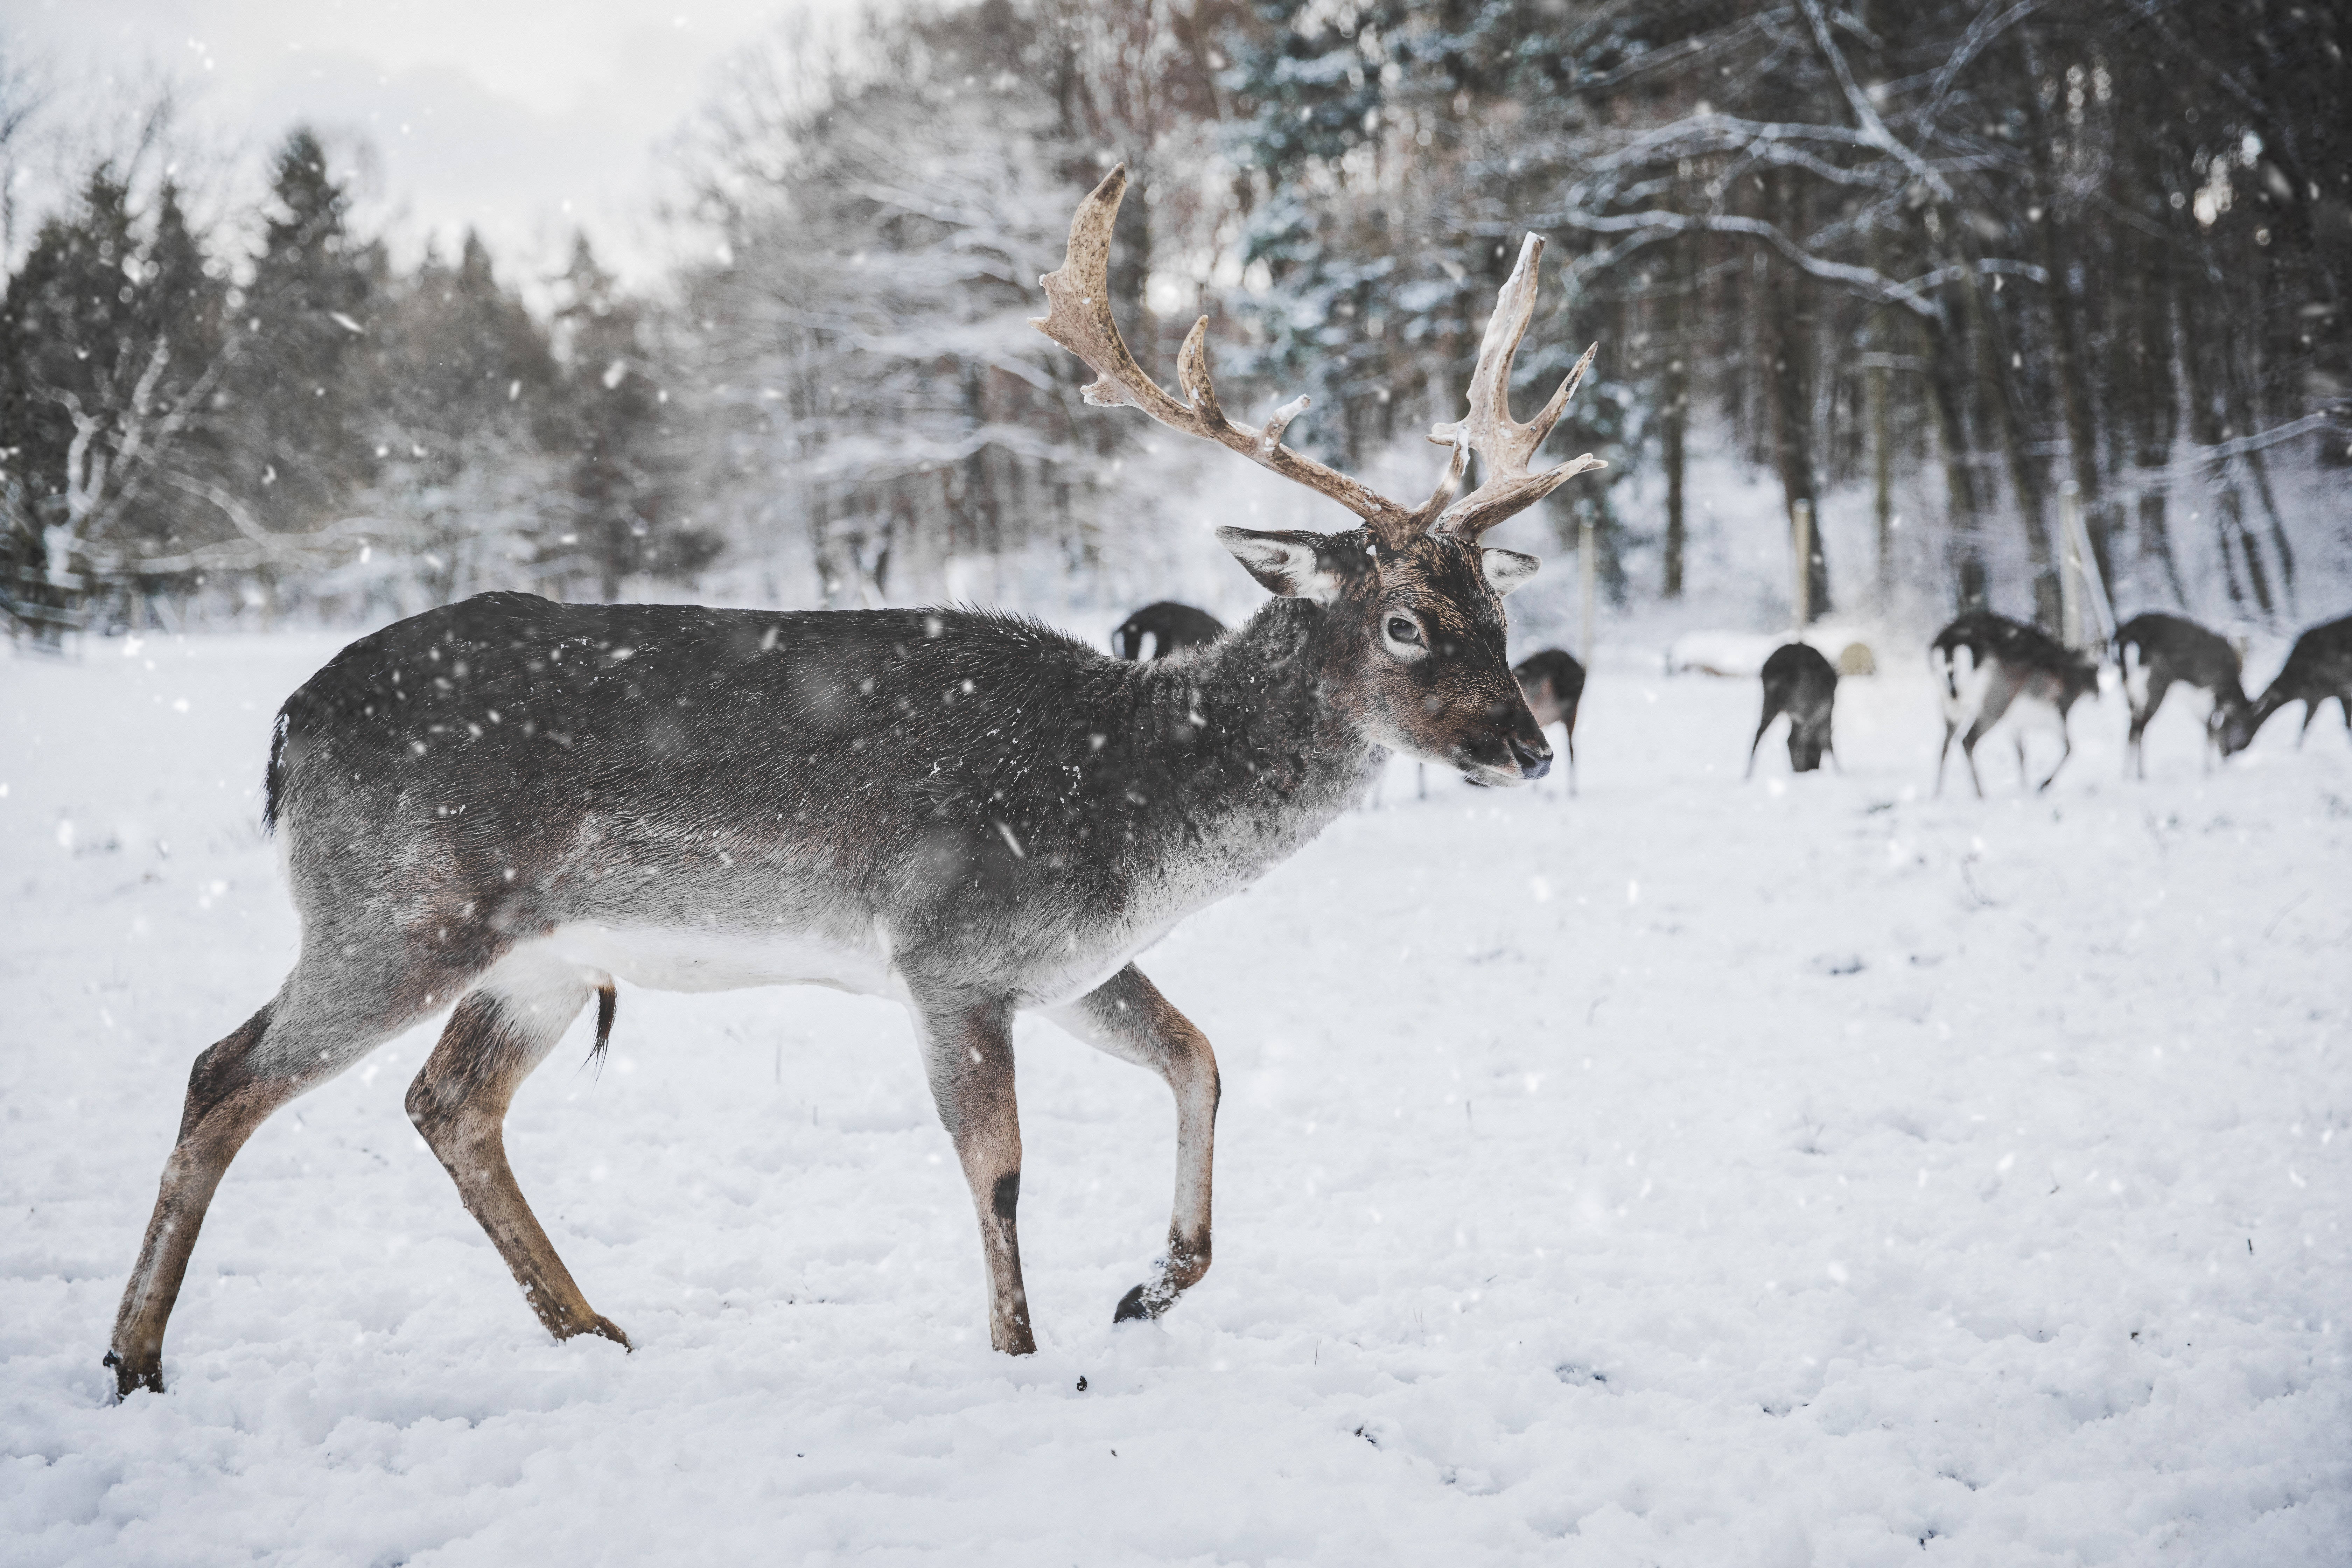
[[1986, 665], [1172, 628], [2318, 668], [2157, 652], [1553, 683], [1802, 684], [506, 804]]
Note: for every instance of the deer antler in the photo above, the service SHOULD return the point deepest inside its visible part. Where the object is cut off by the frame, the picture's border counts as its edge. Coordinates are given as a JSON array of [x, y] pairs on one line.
[[1502, 442], [1077, 297]]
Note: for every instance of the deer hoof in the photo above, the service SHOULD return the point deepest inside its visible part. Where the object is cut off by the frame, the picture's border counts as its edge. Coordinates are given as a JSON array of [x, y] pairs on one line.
[[1134, 1306], [133, 1373], [602, 1327]]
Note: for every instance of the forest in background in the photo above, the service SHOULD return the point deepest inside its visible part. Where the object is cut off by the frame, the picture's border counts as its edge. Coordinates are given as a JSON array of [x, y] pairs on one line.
[[1937, 259]]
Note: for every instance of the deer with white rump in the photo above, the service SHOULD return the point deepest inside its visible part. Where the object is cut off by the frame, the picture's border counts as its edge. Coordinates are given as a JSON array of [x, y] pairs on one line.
[[508, 802], [2157, 652], [1988, 668]]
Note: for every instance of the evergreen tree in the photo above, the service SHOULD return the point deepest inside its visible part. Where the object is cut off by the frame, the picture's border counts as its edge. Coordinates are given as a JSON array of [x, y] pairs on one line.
[[625, 469], [109, 348], [465, 426], [299, 447], [1389, 209]]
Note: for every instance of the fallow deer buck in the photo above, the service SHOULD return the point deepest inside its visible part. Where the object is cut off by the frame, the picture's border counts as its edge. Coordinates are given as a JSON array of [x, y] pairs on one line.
[[2155, 653], [509, 803], [1986, 666]]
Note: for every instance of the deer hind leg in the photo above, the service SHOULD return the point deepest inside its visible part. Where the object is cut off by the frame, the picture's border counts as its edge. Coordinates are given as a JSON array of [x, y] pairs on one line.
[[1771, 712], [324, 1018], [2065, 749], [2136, 740], [1974, 733], [1128, 1018], [500, 1031], [968, 1056]]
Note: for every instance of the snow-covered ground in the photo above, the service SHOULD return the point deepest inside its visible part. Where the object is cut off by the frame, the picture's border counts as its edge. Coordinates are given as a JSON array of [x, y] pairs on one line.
[[1800, 1171]]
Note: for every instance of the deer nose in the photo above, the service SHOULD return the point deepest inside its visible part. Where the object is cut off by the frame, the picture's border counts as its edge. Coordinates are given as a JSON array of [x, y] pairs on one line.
[[1533, 758]]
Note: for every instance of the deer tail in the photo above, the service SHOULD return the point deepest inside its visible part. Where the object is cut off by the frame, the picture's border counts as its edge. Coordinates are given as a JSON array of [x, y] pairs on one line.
[[608, 1001]]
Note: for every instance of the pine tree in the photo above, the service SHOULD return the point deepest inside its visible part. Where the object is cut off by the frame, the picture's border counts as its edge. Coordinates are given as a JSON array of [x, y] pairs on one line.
[[300, 450], [109, 346], [625, 470]]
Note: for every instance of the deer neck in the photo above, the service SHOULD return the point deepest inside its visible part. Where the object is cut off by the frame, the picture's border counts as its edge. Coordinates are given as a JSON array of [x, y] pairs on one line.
[[1248, 740]]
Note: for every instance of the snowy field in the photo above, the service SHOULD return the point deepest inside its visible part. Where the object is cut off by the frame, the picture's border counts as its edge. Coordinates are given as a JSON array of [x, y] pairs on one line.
[[1800, 1171]]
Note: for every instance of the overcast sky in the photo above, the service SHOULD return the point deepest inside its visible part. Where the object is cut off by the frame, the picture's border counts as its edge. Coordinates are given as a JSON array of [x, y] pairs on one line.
[[518, 119]]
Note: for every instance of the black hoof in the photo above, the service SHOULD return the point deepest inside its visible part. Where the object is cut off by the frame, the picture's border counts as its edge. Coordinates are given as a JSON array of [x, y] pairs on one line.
[[1133, 1308], [128, 1379]]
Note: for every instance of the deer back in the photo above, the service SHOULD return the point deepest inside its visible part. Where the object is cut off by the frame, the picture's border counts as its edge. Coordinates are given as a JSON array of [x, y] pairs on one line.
[[938, 787]]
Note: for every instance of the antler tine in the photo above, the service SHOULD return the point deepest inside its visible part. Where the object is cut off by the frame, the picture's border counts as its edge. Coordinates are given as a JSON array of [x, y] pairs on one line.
[[1078, 317], [1447, 483], [1501, 442]]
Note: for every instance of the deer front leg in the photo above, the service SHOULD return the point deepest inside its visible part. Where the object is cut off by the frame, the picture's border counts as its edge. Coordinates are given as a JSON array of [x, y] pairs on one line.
[[459, 1101], [1126, 1016], [968, 1055]]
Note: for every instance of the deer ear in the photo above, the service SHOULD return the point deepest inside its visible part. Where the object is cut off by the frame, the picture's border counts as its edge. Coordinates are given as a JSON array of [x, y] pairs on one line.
[[1293, 565], [1507, 569]]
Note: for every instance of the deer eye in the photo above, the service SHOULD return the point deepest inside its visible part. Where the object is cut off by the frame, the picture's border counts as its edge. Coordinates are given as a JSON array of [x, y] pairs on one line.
[[1403, 630]]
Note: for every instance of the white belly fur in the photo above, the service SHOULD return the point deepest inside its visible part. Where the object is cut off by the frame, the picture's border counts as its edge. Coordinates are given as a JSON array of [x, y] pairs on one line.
[[664, 959]]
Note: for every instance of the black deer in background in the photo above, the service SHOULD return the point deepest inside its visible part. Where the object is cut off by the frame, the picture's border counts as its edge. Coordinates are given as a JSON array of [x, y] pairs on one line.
[[1798, 681], [1172, 628], [1988, 666], [1553, 684], [2157, 652], [505, 803], [2318, 668]]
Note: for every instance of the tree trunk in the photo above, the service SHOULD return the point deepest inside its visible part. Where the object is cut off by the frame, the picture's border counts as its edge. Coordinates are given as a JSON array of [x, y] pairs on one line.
[[1791, 303], [2054, 237], [1674, 397], [1879, 389], [1946, 379], [2203, 351], [2028, 475], [2144, 379]]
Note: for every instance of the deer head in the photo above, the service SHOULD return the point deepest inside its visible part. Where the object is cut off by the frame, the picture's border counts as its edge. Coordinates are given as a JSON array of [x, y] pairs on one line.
[[1413, 604]]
